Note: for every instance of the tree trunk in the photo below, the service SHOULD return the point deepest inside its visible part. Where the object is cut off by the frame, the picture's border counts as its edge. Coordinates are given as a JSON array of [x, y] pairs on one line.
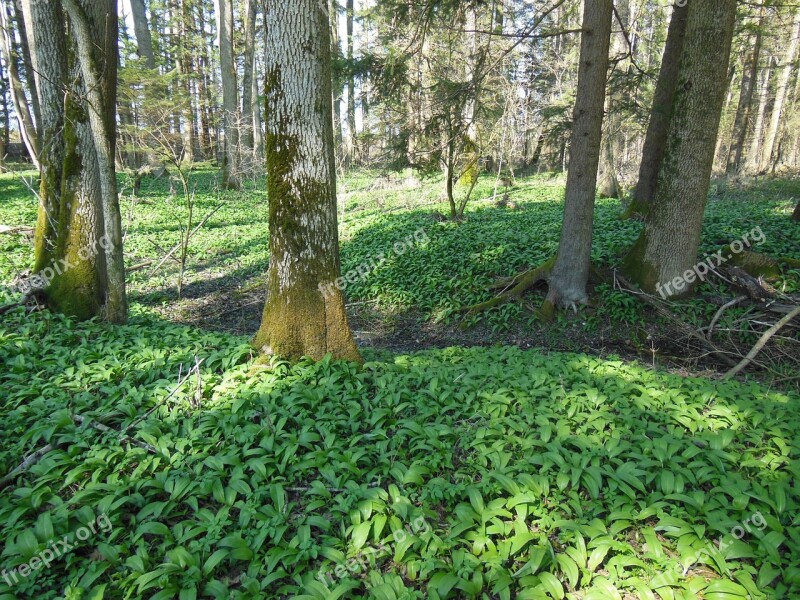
[[336, 51], [230, 96], [571, 271], [203, 91], [666, 251], [78, 243], [656, 138], [27, 127], [352, 145], [304, 314], [749, 77], [185, 71], [754, 155], [141, 28], [780, 93], [247, 139], [27, 62]]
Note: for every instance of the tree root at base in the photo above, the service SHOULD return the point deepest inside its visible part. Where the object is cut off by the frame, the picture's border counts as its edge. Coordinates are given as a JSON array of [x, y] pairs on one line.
[[513, 287]]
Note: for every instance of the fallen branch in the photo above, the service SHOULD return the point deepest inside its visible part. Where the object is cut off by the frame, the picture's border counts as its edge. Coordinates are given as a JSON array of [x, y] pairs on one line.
[[736, 301], [625, 285], [22, 302], [105, 429], [26, 464], [762, 342], [16, 230], [140, 266]]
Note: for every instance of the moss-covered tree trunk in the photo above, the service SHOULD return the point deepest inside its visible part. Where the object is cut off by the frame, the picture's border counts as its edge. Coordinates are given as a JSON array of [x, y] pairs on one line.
[[571, 271], [76, 235], [655, 140], [667, 248], [305, 312]]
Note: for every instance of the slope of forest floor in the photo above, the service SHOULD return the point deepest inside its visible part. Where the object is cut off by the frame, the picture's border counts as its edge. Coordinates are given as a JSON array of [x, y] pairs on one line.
[[493, 472]]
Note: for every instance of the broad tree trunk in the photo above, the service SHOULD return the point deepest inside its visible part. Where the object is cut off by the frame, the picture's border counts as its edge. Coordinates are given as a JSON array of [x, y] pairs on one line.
[[666, 250], [230, 96], [78, 245], [787, 69], [304, 314], [571, 271], [656, 138], [749, 77], [144, 39]]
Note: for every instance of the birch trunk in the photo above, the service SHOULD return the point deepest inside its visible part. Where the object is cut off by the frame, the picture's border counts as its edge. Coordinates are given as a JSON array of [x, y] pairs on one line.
[[304, 314], [571, 270], [666, 251]]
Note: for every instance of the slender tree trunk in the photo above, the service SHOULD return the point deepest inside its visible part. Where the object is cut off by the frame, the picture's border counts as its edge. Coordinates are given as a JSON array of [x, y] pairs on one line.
[[656, 137], [785, 76], [258, 136], [571, 271], [203, 91], [666, 251], [754, 155], [230, 95], [352, 145], [27, 62], [27, 128], [184, 60], [141, 28], [305, 313], [247, 139], [749, 77], [336, 51]]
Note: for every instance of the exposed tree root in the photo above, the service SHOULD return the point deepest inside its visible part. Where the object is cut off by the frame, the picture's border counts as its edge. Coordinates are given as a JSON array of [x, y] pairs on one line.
[[513, 287]]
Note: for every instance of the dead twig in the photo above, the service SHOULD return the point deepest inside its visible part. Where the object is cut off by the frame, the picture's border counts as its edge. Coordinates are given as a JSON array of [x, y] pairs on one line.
[[762, 342], [736, 301]]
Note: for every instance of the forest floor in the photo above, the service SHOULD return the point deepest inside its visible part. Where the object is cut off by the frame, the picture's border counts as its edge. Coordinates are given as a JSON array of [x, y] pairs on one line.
[[525, 460], [411, 301]]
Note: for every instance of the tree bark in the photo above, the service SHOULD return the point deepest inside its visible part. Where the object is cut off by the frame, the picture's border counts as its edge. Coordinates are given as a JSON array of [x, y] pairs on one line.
[[660, 114], [27, 127], [571, 271], [247, 137], [352, 144], [787, 69], [304, 314], [141, 28], [666, 251], [753, 161], [749, 77], [336, 51], [230, 96], [78, 243]]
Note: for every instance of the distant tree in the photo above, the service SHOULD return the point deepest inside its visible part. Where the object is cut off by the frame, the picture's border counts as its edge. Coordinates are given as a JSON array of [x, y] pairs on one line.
[[667, 248], [78, 246], [230, 96], [567, 283], [305, 313], [144, 39]]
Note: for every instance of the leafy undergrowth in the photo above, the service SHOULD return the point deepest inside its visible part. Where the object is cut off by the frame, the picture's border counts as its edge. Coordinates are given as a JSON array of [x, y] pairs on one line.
[[460, 473]]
